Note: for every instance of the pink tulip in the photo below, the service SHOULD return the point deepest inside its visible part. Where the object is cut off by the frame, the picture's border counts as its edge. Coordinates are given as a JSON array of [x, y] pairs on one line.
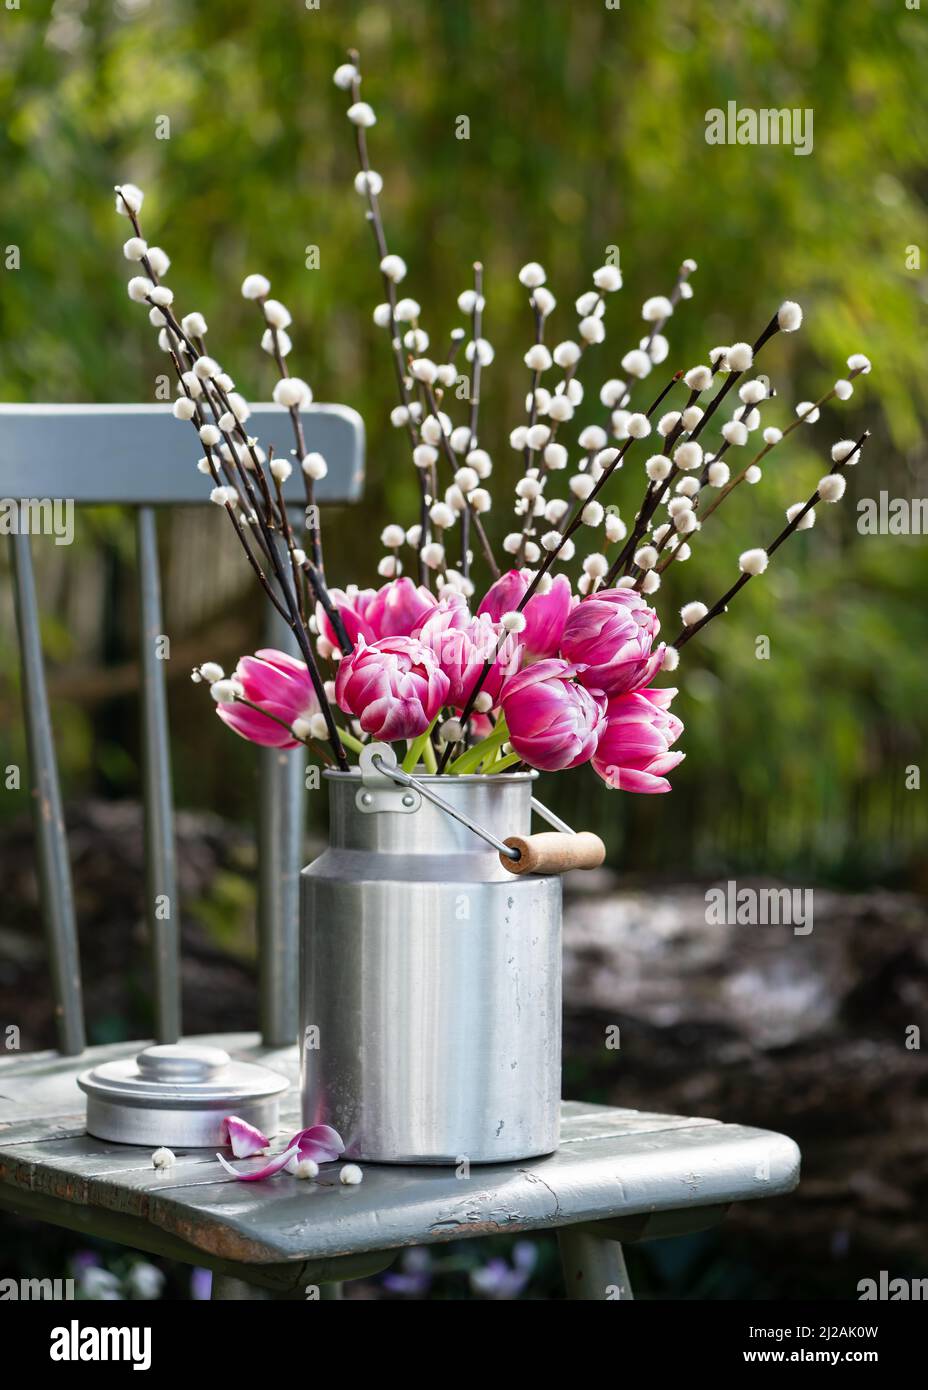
[[352, 605], [545, 614], [554, 723], [393, 610], [280, 684], [397, 608], [633, 753], [394, 686], [611, 634], [450, 612], [462, 645]]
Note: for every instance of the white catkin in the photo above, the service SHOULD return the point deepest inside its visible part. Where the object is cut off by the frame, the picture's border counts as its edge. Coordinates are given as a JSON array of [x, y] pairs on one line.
[[753, 561], [808, 520], [692, 613], [831, 487]]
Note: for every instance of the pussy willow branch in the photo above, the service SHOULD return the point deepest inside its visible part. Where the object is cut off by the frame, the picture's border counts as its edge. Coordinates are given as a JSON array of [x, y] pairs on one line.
[[315, 572], [199, 419], [528, 526], [722, 604], [184, 343], [740, 477], [448, 452], [380, 239], [290, 543], [476, 332], [535, 380], [653, 494], [794, 425], [230, 506], [675, 296], [577, 517], [275, 521], [376, 220], [656, 493], [295, 623], [664, 543], [309, 485]]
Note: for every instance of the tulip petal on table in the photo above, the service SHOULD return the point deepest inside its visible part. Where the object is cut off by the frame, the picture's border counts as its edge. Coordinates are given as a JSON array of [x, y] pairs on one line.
[[245, 1140], [269, 1169], [321, 1143]]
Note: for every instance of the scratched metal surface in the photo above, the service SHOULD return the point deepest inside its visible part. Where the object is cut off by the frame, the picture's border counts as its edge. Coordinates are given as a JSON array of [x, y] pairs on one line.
[[611, 1163]]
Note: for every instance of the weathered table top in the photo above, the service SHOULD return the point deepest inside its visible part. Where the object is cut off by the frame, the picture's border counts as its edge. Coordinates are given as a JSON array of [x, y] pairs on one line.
[[626, 1167]]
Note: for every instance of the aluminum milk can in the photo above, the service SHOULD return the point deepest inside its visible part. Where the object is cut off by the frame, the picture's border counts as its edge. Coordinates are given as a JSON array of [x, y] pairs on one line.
[[430, 976]]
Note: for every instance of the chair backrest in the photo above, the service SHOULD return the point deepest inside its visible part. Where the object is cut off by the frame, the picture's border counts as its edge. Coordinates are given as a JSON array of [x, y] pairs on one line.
[[138, 456]]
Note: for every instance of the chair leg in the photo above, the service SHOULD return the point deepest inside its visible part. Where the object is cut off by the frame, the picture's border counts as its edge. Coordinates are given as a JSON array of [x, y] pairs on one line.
[[594, 1267]]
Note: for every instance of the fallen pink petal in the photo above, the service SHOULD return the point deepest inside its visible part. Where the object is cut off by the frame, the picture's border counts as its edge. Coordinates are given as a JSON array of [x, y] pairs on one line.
[[269, 1170], [245, 1140], [321, 1143]]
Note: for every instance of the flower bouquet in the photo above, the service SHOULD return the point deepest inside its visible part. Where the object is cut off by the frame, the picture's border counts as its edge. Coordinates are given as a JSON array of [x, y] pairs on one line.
[[544, 669], [481, 658]]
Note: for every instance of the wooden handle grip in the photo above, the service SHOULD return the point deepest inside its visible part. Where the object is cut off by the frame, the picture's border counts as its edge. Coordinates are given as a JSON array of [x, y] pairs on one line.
[[552, 852]]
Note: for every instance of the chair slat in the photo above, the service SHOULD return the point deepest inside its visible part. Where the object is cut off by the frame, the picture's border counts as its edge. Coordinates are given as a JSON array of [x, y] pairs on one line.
[[281, 817], [162, 909], [54, 868], [139, 454]]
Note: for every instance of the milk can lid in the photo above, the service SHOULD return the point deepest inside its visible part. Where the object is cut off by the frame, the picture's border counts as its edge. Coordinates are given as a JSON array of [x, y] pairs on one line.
[[180, 1076]]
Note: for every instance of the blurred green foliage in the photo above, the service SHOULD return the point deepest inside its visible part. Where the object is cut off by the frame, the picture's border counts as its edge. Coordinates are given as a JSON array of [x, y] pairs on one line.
[[587, 130]]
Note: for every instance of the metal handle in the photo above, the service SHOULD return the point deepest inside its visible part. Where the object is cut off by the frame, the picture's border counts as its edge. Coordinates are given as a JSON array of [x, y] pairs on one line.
[[380, 757], [551, 818]]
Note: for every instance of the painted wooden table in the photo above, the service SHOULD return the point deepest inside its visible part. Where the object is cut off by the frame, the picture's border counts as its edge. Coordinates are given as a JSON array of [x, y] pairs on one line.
[[619, 1175]]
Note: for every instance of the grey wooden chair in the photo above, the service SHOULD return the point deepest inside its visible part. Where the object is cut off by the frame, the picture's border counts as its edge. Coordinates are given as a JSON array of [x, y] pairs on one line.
[[619, 1175]]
